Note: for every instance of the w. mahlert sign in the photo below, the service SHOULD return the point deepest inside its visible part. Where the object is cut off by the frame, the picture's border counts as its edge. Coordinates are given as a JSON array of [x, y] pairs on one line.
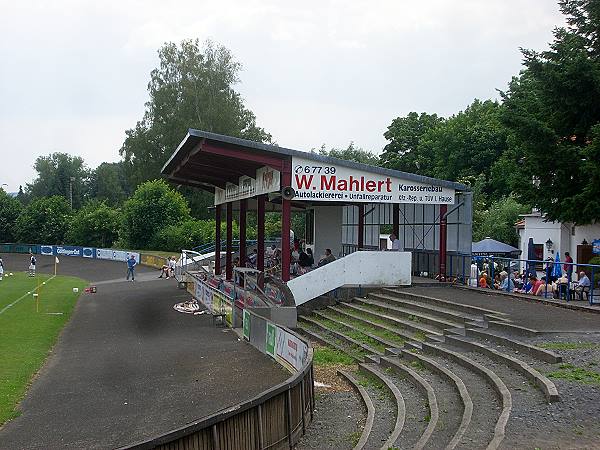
[[329, 182]]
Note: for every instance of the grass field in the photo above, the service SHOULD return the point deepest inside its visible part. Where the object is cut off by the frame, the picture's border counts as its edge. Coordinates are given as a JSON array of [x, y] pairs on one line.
[[26, 336]]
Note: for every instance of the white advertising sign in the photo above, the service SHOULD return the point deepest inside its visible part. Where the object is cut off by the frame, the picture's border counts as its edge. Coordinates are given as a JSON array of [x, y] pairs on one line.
[[116, 255], [267, 180], [291, 349], [313, 180]]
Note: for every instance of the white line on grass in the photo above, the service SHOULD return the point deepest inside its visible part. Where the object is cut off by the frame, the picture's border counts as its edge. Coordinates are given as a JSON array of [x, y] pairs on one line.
[[21, 298]]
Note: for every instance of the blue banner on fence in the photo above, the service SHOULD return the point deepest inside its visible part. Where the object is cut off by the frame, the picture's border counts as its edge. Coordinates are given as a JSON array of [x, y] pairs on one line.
[[46, 250], [89, 252], [67, 250]]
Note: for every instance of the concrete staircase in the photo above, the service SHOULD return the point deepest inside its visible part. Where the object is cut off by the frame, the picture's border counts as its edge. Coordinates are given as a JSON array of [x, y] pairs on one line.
[[452, 373]]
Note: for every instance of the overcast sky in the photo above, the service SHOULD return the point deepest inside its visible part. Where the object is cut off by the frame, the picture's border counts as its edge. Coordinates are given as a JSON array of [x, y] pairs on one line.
[[73, 73]]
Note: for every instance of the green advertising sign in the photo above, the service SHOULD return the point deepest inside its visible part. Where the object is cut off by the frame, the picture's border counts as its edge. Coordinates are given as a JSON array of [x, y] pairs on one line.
[[247, 319], [270, 339]]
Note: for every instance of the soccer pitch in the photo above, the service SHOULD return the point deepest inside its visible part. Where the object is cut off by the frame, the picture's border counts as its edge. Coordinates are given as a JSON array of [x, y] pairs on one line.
[[27, 336]]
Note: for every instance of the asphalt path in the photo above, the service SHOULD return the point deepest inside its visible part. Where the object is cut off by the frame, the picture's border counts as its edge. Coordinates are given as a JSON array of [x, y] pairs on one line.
[[129, 367]]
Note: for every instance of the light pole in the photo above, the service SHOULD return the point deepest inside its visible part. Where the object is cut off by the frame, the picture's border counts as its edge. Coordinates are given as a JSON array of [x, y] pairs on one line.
[[71, 190]]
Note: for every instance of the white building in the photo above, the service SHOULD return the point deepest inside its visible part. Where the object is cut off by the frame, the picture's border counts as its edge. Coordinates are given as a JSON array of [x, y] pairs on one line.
[[551, 237]]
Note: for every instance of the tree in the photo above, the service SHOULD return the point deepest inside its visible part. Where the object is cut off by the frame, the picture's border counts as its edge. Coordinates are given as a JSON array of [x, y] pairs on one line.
[[108, 183], [54, 173], [45, 220], [498, 222], [553, 111], [351, 153], [153, 206], [94, 225], [405, 133], [193, 87], [10, 208]]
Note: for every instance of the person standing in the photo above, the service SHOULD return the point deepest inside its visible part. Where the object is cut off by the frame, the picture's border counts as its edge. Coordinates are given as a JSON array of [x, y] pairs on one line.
[[568, 267], [32, 263], [1, 269], [131, 263], [395, 243]]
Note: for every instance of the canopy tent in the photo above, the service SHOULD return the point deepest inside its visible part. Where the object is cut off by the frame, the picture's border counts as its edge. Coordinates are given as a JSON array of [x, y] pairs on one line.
[[490, 246]]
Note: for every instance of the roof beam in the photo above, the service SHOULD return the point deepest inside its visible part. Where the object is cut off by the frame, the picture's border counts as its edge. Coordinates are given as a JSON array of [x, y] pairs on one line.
[[244, 155]]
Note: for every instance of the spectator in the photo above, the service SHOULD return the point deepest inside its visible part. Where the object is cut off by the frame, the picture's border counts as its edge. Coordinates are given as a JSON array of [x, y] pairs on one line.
[[172, 265], [506, 283], [252, 258], [483, 280], [568, 267], [540, 288], [582, 284], [164, 270], [270, 251], [306, 259], [131, 263], [327, 258], [395, 243], [1, 269]]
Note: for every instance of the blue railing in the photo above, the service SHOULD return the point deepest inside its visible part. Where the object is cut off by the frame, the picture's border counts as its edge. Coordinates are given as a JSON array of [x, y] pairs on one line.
[[495, 264]]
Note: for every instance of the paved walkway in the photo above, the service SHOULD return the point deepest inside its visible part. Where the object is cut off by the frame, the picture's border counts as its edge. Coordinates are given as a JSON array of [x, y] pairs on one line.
[[128, 366], [524, 312]]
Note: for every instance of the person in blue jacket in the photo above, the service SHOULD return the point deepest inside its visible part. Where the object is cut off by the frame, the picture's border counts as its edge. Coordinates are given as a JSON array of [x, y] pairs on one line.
[[131, 263]]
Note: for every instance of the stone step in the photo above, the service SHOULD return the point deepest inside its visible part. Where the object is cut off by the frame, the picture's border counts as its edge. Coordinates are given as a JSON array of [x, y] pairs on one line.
[[361, 318], [531, 350], [474, 310], [373, 369], [412, 314], [366, 348], [541, 381], [317, 337], [455, 383], [413, 326], [353, 328], [427, 308], [370, 407], [490, 377], [426, 389]]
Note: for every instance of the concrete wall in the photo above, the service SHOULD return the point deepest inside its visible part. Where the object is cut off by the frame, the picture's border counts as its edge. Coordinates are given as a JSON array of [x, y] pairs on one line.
[[328, 230], [363, 268]]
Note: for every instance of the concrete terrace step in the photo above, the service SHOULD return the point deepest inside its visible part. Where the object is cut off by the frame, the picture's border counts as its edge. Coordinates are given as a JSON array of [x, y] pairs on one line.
[[314, 336], [531, 350], [364, 437], [427, 308], [373, 370], [411, 325], [491, 378], [379, 339], [457, 384], [475, 310], [404, 312], [366, 321], [420, 383], [342, 336], [542, 382]]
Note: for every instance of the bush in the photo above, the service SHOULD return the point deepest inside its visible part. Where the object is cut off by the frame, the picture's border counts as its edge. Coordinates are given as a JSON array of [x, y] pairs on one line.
[[190, 234], [94, 225], [45, 220], [153, 207]]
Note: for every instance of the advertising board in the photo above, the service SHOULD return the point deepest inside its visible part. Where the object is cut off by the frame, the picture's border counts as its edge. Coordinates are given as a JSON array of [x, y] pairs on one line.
[[270, 340], [88, 252], [67, 250], [317, 181], [247, 319], [290, 349], [267, 180], [115, 255], [46, 250]]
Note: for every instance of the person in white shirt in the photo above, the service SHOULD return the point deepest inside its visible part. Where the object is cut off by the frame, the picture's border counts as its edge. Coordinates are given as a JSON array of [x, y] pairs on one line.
[[1, 269], [395, 243]]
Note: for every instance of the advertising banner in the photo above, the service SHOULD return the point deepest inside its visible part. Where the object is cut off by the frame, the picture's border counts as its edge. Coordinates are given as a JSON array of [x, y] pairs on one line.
[[88, 252], [291, 349], [67, 250], [270, 340], [247, 319], [46, 250], [317, 181], [267, 180], [116, 255]]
